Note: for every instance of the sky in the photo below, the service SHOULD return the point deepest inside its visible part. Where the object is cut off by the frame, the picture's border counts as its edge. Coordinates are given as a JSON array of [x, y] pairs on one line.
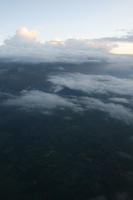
[[70, 31], [63, 19]]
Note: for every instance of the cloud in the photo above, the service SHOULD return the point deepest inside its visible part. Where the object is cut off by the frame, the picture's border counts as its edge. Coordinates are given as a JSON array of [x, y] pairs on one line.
[[122, 45], [120, 100], [112, 95], [115, 111], [23, 37], [103, 93], [24, 32], [24, 46], [123, 48], [39, 100], [43, 102], [94, 84]]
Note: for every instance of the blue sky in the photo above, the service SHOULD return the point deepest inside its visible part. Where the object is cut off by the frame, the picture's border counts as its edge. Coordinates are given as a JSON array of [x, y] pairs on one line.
[[61, 18]]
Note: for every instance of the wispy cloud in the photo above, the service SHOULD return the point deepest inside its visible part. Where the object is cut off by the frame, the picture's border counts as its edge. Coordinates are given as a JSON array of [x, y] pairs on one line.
[[114, 110], [115, 107], [94, 84], [39, 100]]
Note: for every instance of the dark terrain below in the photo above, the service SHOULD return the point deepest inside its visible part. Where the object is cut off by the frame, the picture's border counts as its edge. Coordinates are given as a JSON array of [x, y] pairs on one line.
[[63, 155]]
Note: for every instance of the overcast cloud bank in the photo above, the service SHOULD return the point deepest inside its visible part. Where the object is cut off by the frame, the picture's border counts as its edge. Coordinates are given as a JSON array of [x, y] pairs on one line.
[[24, 46]]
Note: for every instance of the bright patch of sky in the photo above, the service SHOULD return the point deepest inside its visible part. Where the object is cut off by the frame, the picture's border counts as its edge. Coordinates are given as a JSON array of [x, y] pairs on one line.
[[63, 19]]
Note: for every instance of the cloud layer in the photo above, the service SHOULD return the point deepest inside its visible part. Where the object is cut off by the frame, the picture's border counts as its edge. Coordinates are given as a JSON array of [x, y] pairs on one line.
[[104, 93], [45, 103], [94, 84], [39, 100], [116, 103], [24, 46]]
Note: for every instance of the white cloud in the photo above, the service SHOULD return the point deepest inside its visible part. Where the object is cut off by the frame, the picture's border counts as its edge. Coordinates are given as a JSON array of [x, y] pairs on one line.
[[24, 46], [119, 100], [46, 102], [36, 99], [115, 111], [118, 92], [23, 37], [94, 84], [123, 48], [24, 32]]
